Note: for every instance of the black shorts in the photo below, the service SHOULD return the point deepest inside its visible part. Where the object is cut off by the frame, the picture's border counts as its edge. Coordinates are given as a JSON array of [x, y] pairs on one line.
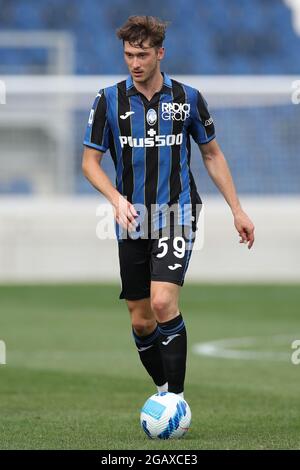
[[165, 258]]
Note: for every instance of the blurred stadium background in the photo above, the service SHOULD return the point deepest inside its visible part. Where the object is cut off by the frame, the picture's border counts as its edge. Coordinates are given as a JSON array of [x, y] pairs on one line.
[[54, 57]]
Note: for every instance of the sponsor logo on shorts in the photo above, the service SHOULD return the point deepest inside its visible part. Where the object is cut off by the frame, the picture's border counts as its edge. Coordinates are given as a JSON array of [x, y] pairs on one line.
[[176, 266]]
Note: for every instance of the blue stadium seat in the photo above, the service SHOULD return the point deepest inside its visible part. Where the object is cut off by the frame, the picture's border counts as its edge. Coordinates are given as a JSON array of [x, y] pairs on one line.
[[244, 33], [215, 37]]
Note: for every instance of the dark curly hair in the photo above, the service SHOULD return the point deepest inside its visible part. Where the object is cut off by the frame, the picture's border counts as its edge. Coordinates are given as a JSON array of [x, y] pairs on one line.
[[138, 29]]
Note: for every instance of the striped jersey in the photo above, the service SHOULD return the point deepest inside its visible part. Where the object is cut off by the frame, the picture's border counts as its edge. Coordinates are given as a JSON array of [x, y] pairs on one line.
[[149, 141]]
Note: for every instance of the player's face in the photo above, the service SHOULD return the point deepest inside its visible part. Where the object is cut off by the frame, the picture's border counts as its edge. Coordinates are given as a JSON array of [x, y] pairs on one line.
[[142, 62]]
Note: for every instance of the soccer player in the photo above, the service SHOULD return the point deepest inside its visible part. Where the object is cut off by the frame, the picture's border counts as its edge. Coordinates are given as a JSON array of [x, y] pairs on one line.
[[146, 122]]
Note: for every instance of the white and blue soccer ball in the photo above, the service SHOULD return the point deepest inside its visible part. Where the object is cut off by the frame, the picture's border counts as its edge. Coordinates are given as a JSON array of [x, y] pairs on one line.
[[165, 416]]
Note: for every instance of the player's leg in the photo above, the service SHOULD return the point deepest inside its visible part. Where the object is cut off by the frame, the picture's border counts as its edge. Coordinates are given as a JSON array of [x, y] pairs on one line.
[[134, 260], [147, 337], [169, 262], [173, 341]]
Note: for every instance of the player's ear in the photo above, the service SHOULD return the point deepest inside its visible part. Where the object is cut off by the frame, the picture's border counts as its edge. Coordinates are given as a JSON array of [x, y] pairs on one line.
[[160, 53]]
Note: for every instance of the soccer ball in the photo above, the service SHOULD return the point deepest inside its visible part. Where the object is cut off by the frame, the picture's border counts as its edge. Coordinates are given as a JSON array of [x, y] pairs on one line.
[[165, 416]]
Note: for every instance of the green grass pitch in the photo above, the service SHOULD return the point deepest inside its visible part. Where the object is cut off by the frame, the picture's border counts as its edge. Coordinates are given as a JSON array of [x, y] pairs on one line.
[[73, 379]]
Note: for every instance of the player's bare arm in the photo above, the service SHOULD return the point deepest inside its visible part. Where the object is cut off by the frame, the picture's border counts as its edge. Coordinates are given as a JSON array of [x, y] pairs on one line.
[[219, 172], [124, 212]]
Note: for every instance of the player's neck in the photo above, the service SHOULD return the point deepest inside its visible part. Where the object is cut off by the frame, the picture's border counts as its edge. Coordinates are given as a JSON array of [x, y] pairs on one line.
[[151, 86]]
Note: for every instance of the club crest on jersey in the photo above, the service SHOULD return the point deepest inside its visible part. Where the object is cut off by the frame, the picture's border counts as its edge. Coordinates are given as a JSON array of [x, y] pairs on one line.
[[175, 111], [151, 117]]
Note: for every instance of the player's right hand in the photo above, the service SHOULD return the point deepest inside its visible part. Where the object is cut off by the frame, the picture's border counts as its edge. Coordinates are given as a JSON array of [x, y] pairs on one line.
[[125, 213]]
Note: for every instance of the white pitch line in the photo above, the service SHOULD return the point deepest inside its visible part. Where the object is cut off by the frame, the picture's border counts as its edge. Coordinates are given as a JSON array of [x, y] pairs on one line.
[[226, 348]]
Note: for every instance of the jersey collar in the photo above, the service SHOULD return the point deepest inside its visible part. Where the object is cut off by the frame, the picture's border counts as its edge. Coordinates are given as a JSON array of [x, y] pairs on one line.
[[166, 88]]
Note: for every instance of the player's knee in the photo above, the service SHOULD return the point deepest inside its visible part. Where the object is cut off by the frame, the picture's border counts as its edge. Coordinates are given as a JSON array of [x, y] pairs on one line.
[[161, 306], [143, 327]]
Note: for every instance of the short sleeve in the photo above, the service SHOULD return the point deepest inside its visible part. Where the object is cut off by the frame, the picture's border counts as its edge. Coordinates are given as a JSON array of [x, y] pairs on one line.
[[97, 131], [202, 125]]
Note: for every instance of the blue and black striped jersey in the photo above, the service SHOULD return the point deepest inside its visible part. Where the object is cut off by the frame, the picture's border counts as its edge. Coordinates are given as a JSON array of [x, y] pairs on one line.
[[149, 141]]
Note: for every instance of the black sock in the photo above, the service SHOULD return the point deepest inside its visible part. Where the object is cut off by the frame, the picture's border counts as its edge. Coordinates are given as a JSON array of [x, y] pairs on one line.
[[150, 354], [173, 344]]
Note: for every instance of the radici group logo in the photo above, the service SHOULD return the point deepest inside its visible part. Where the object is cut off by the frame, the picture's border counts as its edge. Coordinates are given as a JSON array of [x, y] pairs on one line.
[[175, 111]]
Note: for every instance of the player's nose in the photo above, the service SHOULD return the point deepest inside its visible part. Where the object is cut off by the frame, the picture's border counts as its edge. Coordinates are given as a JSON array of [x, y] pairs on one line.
[[135, 63]]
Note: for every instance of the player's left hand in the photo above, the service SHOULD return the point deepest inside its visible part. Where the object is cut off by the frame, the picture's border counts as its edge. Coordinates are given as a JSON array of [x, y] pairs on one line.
[[245, 228]]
